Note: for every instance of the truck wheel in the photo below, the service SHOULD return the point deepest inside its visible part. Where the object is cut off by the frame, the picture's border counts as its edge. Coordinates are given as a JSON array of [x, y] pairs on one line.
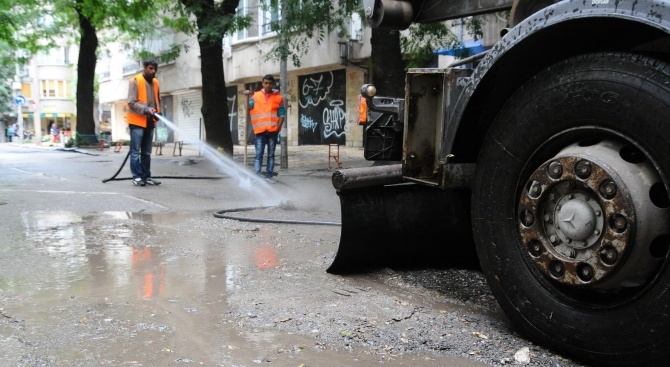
[[571, 213]]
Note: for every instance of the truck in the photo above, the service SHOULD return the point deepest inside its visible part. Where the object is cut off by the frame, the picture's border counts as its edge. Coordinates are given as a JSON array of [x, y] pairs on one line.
[[547, 165]]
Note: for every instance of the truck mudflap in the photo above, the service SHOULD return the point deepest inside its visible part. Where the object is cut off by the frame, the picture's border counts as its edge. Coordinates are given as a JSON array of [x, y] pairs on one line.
[[404, 226]]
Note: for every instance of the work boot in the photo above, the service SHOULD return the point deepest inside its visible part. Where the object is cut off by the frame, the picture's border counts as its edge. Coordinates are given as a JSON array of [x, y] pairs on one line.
[[151, 182], [139, 182]]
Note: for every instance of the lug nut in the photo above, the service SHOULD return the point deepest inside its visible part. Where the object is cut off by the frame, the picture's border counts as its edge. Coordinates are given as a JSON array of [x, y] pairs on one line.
[[619, 223], [535, 248], [585, 272], [553, 239], [608, 189], [571, 253], [527, 218], [609, 255], [556, 269], [555, 170], [535, 190], [583, 169]]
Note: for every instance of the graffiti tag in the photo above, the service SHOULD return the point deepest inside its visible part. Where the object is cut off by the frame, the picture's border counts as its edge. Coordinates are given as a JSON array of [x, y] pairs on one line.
[[334, 119]]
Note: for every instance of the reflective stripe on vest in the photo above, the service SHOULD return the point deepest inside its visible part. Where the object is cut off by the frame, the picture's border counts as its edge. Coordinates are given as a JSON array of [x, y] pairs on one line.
[[262, 116], [137, 119]]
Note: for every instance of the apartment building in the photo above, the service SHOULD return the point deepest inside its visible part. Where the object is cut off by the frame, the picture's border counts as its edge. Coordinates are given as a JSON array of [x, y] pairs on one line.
[[47, 83], [321, 95]]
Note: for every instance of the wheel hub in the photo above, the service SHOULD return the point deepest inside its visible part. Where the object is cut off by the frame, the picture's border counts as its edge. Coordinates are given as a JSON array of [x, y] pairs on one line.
[[578, 220]]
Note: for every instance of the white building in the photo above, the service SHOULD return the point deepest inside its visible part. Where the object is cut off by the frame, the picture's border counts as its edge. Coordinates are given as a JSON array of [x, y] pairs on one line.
[[321, 95], [47, 83]]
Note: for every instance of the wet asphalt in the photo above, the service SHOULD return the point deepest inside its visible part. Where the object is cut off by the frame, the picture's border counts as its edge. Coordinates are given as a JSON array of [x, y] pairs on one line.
[[97, 274]]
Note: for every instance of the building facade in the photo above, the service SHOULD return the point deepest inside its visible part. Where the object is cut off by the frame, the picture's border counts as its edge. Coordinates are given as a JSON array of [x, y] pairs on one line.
[[47, 84], [321, 94]]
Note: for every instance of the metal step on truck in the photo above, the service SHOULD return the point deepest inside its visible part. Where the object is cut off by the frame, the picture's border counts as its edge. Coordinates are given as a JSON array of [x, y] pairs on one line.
[[548, 164]]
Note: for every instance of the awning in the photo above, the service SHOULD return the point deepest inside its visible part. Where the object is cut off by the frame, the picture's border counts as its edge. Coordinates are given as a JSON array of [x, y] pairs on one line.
[[469, 48], [47, 115]]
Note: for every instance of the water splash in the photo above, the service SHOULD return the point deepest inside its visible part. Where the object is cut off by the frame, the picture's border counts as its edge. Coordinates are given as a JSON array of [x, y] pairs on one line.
[[246, 179]]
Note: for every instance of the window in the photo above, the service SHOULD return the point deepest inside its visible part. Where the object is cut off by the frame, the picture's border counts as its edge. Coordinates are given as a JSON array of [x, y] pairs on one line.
[[269, 16], [54, 89], [261, 17], [26, 90], [54, 56]]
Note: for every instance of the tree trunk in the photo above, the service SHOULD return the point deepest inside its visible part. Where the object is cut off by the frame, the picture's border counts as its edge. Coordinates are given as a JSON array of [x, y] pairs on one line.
[[388, 68], [88, 46], [214, 97]]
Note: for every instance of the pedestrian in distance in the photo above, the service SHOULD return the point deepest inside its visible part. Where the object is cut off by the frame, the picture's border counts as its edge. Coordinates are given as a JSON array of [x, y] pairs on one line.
[[143, 104], [268, 112], [54, 133]]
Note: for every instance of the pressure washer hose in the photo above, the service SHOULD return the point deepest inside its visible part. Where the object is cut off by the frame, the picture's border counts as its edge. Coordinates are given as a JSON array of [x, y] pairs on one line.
[[170, 177], [222, 214]]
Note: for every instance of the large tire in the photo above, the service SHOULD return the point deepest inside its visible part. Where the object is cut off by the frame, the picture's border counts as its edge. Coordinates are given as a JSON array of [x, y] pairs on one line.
[[577, 253]]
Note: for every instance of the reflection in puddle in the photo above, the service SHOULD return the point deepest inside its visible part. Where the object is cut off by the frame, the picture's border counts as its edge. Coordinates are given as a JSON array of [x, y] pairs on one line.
[[266, 257], [96, 252], [232, 273], [156, 218], [146, 264]]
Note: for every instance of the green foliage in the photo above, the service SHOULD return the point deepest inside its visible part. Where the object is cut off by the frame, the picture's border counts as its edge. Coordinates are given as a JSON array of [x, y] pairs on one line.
[[7, 71], [422, 39], [210, 19], [474, 26], [27, 27], [305, 20], [419, 44]]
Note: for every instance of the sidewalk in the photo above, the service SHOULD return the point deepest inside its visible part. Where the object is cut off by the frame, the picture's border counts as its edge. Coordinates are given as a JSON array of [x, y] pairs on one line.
[[305, 157], [312, 158]]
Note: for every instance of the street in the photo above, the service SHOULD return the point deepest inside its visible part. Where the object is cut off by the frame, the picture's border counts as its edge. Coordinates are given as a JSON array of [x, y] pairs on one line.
[[111, 274]]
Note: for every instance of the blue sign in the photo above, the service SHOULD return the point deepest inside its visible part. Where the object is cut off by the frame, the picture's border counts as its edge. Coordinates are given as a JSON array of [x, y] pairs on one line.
[[20, 100]]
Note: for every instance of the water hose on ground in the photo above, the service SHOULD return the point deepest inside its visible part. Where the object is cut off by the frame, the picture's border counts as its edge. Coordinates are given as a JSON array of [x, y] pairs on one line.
[[222, 214], [113, 178]]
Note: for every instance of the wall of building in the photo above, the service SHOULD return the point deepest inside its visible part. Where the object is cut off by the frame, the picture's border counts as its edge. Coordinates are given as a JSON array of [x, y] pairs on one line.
[[321, 95]]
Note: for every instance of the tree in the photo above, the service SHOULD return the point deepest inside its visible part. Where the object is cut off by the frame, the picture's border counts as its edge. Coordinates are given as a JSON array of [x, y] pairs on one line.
[[7, 72], [89, 17], [213, 19], [22, 33]]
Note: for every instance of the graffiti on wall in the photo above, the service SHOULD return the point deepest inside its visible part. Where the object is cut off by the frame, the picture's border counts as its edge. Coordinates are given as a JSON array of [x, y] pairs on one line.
[[321, 108], [231, 93], [186, 107]]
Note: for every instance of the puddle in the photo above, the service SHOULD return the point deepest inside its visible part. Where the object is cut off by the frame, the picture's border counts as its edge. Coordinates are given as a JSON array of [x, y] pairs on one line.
[[127, 285], [156, 218]]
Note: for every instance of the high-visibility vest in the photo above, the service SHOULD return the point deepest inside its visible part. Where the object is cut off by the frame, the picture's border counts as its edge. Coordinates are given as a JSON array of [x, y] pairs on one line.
[[264, 115], [137, 119], [362, 110]]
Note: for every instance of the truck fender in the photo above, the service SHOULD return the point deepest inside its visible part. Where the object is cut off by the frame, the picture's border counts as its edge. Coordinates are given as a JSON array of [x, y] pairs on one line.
[[560, 31]]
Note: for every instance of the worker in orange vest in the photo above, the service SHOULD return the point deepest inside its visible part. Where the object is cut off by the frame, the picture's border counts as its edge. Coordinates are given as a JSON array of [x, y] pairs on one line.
[[268, 112], [143, 103]]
